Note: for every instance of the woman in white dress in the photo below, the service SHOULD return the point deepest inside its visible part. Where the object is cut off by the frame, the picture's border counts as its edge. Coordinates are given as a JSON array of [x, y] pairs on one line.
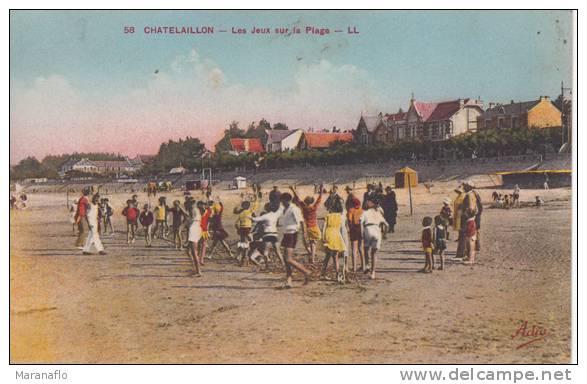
[[194, 235]]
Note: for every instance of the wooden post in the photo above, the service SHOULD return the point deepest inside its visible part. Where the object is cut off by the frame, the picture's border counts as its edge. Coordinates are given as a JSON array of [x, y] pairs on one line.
[[410, 192]]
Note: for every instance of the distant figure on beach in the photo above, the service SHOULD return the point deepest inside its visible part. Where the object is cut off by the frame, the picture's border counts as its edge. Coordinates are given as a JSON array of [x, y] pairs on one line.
[[516, 195]]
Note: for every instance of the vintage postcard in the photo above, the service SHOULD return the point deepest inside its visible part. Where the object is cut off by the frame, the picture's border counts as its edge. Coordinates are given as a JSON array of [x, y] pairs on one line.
[[311, 187]]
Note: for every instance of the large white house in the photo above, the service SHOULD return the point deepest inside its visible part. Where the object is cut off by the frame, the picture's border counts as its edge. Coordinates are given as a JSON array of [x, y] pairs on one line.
[[281, 140]]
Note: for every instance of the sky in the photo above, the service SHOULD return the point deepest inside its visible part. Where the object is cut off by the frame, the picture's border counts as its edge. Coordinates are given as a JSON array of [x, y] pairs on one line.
[[79, 83]]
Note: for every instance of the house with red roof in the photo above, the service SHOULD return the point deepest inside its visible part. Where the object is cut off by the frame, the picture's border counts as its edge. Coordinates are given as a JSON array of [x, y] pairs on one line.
[[253, 145], [323, 140], [441, 120]]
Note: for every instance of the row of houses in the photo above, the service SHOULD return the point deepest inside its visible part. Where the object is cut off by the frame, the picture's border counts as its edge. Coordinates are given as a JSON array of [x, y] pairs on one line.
[[288, 140], [443, 120], [427, 121], [85, 165]]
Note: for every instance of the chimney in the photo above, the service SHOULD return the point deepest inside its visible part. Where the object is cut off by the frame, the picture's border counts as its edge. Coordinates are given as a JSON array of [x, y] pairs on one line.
[[511, 101], [461, 103]]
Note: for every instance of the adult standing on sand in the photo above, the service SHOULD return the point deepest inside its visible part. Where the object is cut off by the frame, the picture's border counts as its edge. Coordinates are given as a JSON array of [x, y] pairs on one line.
[[457, 223], [389, 205], [291, 220], [468, 221], [91, 217], [80, 218], [477, 216]]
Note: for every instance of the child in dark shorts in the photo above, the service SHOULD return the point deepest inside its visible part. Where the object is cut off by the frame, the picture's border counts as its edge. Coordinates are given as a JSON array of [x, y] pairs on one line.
[[440, 237]]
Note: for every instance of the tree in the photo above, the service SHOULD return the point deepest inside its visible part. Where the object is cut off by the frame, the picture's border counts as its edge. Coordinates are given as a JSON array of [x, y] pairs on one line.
[[233, 131], [187, 153], [280, 127], [29, 167]]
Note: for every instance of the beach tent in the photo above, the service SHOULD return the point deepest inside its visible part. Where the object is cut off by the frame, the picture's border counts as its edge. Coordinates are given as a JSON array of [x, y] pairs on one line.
[[404, 176], [240, 182]]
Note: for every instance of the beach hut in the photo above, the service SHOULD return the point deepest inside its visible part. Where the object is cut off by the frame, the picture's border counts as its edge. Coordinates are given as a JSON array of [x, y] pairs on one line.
[[406, 176], [240, 182]]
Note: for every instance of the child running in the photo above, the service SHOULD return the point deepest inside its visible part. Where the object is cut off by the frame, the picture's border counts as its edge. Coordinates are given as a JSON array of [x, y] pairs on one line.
[[268, 221], [333, 241], [310, 229], [291, 220], [206, 212], [440, 237], [372, 223], [219, 234], [427, 244], [244, 224], [132, 214]]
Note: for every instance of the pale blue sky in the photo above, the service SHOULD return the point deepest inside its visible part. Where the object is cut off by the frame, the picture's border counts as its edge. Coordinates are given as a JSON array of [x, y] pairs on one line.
[[498, 55]]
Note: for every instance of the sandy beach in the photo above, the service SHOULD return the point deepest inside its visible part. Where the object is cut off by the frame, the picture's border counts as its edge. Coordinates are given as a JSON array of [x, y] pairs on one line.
[[140, 305]]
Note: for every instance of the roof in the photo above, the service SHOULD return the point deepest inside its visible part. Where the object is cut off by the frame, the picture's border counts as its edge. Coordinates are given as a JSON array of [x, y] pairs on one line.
[[70, 162], [371, 122], [438, 111], [111, 163], [406, 170], [396, 116], [144, 158], [326, 139], [510, 109], [277, 135], [253, 145]]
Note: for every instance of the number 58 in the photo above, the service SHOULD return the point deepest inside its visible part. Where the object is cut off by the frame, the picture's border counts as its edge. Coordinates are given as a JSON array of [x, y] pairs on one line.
[[129, 29]]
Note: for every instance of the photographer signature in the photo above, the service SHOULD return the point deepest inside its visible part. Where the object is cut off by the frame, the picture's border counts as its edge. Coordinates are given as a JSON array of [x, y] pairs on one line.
[[529, 335]]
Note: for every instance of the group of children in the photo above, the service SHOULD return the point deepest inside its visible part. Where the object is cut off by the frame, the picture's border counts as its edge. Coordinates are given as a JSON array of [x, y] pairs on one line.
[[465, 218], [352, 229], [349, 228]]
